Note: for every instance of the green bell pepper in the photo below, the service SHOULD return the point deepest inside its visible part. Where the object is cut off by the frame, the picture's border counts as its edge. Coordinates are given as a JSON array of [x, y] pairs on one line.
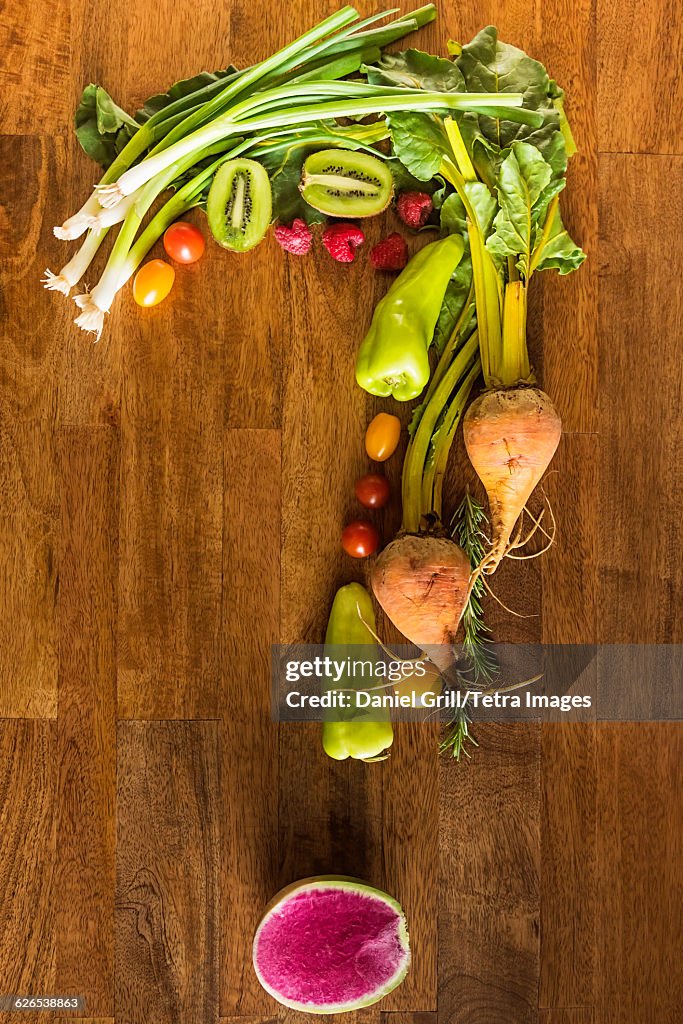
[[351, 733], [394, 356]]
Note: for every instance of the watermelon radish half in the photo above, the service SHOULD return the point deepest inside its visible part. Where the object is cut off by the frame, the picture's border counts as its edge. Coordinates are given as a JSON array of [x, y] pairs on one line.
[[330, 944]]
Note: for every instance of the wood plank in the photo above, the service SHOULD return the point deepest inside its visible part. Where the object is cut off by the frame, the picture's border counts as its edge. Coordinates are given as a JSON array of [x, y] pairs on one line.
[[489, 891], [248, 737], [171, 508], [425, 1017], [641, 295], [568, 749], [27, 857], [249, 1019], [633, 119], [167, 864], [31, 319], [639, 810], [28, 569], [410, 814], [640, 837], [566, 45], [86, 730], [34, 77], [571, 1015]]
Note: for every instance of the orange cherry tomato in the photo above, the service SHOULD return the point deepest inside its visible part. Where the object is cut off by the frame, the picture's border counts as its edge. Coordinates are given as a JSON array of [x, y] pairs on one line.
[[373, 490], [153, 282], [183, 242], [382, 436], [360, 539]]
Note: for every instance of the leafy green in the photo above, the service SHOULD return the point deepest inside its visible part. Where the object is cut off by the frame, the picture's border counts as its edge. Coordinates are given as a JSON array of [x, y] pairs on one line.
[[559, 251], [417, 70], [525, 188], [522, 179], [456, 296], [103, 128], [419, 139], [284, 167], [454, 218], [185, 87], [488, 65], [99, 122]]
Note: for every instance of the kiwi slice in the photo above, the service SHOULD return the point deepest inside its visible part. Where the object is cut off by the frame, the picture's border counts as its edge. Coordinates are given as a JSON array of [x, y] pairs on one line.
[[346, 183], [239, 206]]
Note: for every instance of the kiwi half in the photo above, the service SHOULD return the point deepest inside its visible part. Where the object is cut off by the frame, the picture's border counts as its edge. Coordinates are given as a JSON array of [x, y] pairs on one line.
[[239, 206], [346, 183]]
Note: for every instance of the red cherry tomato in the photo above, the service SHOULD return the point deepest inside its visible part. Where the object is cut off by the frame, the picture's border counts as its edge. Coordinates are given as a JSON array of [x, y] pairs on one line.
[[183, 242], [360, 539], [373, 490], [153, 282]]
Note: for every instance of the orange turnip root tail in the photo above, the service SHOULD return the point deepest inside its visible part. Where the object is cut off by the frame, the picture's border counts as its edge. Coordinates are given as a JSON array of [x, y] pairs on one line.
[[421, 582], [511, 435]]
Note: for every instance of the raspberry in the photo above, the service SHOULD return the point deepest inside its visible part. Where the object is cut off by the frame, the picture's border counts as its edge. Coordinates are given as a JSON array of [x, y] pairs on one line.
[[414, 208], [390, 254], [296, 238], [341, 241]]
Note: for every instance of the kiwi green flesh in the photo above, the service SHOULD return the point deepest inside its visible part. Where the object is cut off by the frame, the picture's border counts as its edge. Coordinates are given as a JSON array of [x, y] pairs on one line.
[[239, 205], [346, 184]]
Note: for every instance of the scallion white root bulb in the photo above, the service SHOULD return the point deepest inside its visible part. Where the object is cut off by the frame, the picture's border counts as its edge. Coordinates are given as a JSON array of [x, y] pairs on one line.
[[72, 272], [79, 223]]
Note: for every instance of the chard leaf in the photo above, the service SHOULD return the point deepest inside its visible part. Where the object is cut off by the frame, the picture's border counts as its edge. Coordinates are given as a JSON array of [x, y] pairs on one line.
[[523, 178], [488, 65], [98, 123], [419, 141], [185, 87], [457, 294], [284, 166], [560, 252], [416, 70], [103, 128], [454, 218]]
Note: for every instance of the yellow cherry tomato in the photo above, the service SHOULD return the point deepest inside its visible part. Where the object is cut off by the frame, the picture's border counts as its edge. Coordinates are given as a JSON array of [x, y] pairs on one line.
[[153, 282], [382, 436]]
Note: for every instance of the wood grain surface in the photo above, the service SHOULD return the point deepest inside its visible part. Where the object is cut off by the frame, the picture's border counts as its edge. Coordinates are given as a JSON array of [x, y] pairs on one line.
[[170, 505]]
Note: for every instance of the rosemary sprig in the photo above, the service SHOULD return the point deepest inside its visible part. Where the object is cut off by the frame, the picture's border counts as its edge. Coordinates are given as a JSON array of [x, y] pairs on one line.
[[480, 665]]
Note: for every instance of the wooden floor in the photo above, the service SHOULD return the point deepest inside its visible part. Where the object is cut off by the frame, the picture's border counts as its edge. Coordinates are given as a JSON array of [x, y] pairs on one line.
[[170, 505]]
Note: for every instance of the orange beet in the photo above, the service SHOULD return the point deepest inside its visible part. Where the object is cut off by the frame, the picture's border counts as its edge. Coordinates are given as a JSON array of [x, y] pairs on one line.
[[510, 435], [421, 582]]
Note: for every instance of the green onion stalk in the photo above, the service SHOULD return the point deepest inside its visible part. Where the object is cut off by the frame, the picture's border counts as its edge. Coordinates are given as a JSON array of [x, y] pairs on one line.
[[338, 45], [347, 99]]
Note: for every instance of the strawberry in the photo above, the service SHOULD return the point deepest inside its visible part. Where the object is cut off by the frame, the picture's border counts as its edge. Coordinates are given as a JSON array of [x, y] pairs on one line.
[[414, 208], [341, 241], [296, 238], [390, 254]]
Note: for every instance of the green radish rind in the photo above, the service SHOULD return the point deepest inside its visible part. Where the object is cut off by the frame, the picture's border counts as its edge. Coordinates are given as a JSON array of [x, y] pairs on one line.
[[329, 167], [231, 176], [336, 882]]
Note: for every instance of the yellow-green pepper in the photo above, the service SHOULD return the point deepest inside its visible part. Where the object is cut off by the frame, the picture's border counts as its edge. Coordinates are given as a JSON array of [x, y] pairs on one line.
[[393, 358], [362, 734]]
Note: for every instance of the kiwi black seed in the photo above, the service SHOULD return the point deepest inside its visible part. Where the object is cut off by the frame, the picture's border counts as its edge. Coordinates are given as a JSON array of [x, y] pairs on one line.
[[346, 183], [239, 206]]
